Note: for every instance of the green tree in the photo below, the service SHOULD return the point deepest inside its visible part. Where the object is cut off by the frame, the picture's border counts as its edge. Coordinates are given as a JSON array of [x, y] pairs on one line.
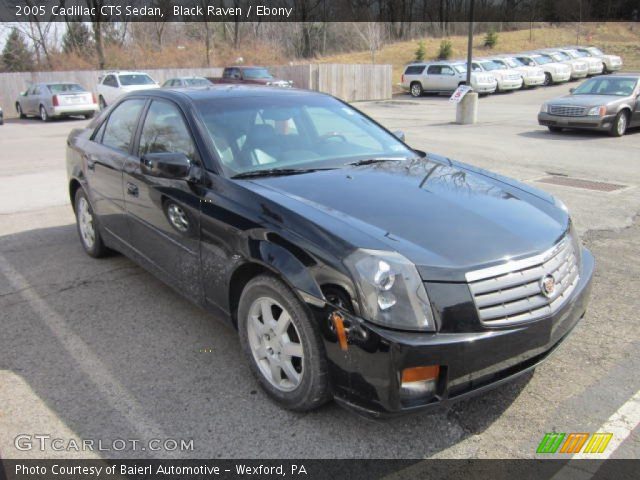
[[77, 39], [445, 50], [420, 52], [491, 39], [16, 56]]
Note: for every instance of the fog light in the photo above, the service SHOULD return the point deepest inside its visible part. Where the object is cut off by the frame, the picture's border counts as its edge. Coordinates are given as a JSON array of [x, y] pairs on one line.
[[419, 383]]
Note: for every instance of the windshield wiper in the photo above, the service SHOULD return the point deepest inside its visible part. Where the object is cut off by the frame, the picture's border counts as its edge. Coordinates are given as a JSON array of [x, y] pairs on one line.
[[371, 161], [274, 172]]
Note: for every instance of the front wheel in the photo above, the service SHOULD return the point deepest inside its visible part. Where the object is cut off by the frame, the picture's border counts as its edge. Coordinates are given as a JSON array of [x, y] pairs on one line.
[[283, 345], [89, 115], [20, 112], [101, 103], [87, 224], [548, 80], [620, 124]]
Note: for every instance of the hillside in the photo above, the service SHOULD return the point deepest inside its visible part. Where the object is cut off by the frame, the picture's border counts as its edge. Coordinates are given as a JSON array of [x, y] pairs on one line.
[[618, 38]]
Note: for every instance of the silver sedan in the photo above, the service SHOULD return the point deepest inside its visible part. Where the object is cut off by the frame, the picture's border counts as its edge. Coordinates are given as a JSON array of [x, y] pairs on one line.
[[50, 100], [607, 103]]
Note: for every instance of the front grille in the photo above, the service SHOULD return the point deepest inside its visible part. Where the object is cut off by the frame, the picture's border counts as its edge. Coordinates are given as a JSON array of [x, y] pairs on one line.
[[513, 292], [567, 110], [514, 77]]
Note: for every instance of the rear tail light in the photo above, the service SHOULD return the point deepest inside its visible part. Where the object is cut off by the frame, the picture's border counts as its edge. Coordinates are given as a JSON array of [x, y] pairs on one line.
[[55, 101], [93, 97], [402, 78]]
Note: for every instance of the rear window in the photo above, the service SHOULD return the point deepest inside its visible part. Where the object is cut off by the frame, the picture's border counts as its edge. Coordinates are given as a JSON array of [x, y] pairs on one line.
[[65, 88], [135, 79], [414, 70]]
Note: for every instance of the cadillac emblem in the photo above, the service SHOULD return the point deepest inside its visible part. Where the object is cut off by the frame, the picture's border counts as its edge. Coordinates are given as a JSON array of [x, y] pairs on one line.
[[548, 285]]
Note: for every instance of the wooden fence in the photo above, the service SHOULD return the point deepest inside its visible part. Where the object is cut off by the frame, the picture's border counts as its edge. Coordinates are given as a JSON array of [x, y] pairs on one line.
[[346, 81]]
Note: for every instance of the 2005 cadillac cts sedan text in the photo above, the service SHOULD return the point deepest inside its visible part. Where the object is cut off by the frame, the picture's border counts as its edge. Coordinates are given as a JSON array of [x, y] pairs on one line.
[[353, 267]]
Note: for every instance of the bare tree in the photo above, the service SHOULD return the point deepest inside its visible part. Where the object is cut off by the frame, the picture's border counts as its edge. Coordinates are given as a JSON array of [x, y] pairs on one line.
[[373, 36]]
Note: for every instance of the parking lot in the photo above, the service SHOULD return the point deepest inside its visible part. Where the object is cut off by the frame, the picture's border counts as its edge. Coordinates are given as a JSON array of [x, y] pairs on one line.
[[100, 349]]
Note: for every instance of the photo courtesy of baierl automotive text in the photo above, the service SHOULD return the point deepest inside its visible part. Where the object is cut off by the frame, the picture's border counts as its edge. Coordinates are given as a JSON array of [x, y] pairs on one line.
[[319, 239]]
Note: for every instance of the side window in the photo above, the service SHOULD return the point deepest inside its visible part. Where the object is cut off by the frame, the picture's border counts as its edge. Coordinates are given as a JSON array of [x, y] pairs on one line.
[[165, 130], [476, 68], [414, 70], [446, 70], [434, 70], [226, 73], [121, 124], [36, 90], [110, 81]]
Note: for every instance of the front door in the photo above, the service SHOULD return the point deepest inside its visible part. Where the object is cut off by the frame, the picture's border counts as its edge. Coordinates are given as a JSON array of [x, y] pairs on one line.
[[164, 214]]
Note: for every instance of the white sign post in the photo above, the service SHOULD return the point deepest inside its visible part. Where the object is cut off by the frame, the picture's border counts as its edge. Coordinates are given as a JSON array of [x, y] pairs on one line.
[[459, 94]]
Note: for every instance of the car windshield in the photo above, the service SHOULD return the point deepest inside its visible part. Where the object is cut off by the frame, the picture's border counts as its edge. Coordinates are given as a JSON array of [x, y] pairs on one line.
[[489, 65], [65, 88], [621, 87], [257, 73], [460, 68], [542, 59], [135, 79], [513, 62], [561, 56], [293, 131], [595, 51], [197, 82]]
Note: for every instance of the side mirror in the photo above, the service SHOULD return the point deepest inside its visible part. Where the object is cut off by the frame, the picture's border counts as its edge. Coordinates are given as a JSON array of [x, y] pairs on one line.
[[166, 165], [571, 90], [399, 134], [24, 94]]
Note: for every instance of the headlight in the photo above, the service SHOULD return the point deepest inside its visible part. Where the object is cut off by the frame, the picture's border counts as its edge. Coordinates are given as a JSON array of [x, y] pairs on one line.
[[598, 111], [390, 289], [544, 108]]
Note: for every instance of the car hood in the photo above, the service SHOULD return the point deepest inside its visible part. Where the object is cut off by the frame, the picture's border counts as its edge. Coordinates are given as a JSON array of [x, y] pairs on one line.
[[585, 100], [447, 218]]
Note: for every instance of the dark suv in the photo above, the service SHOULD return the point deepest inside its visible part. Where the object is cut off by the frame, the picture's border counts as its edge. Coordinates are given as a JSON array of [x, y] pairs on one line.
[[353, 266]]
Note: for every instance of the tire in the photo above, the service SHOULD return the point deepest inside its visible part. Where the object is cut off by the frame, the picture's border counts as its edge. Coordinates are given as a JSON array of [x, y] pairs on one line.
[[96, 247], [548, 80], [555, 129], [297, 382], [89, 115], [101, 103], [20, 112], [620, 124], [605, 70], [44, 116], [416, 89]]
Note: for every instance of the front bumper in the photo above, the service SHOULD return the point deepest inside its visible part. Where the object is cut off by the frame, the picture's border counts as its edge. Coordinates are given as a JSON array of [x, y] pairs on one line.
[[508, 84], [367, 376], [561, 77], [596, 68], [533, 81], [614, 67], [586, 122], [484, 87], [80, 109]]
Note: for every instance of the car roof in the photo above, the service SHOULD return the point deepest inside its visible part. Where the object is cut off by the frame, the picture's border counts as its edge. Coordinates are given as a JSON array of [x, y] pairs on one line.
[[222, 91]]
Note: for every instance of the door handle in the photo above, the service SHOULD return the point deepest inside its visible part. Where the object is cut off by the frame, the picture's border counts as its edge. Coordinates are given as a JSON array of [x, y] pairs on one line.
[[91, 162], [132, 189]]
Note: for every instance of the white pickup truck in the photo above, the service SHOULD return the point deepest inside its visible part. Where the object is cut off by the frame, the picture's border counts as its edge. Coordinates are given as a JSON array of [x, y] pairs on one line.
[[112, 85]]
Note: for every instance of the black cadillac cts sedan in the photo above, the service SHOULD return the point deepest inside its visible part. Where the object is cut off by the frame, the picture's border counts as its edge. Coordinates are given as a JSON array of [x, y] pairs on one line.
[[352, 266]]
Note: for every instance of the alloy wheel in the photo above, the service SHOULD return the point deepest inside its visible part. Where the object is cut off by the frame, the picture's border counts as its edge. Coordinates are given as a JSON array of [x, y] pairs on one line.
[[178, 218], [43, 114], [85, 222], [275, 344], [416, 91], [621, 125]]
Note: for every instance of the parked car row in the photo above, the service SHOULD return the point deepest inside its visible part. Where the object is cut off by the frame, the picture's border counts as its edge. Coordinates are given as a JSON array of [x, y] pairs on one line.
[[506, 72]]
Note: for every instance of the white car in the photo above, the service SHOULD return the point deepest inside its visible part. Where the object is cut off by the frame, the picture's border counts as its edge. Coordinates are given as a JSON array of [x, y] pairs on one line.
[[554, 72], [611, 63], [531, 76], [579, 67], [112, 85], [596, 66], [441, 77], [507, 78]]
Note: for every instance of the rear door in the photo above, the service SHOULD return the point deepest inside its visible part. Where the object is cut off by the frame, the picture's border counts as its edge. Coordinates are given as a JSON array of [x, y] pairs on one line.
[[31, 101], [164, 214], [110, 89], [104, 157]]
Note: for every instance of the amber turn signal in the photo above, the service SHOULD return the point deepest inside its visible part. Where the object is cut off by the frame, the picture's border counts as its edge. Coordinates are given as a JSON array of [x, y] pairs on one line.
[[338, 323], [420, 374]]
